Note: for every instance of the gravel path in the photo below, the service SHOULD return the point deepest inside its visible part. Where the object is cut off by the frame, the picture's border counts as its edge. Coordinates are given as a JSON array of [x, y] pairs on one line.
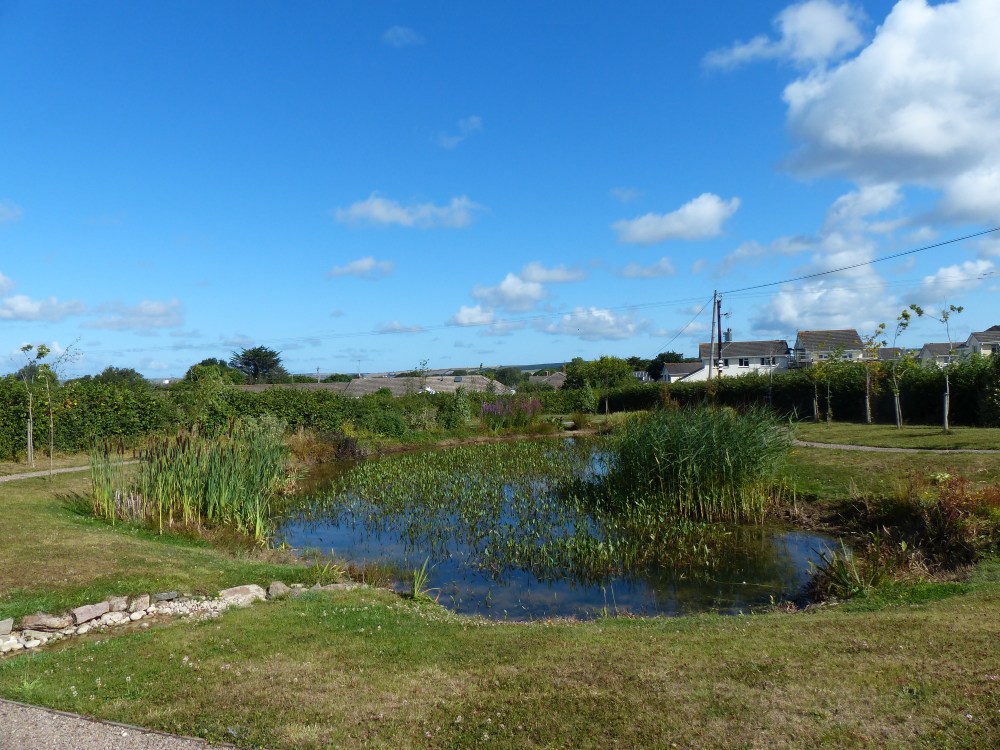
[[30, 728], [875, 449], [45, 473]]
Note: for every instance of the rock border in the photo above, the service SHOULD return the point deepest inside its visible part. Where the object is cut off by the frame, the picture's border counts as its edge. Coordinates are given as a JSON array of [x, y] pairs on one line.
[[38, 630]]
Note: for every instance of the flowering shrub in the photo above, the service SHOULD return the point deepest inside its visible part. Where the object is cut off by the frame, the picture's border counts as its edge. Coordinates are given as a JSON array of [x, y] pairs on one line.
[[509, 412]]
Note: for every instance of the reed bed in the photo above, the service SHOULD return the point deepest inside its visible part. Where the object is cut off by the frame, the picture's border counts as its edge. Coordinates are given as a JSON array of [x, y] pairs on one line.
[[701, 463], [227, 479], [532, 506]]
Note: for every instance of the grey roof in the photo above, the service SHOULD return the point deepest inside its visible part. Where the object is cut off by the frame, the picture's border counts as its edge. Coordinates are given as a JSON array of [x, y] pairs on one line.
[[989, 336], [556, 379], [938, 349], [773, 348], [399, 386], [682, 368], [889, 353], [828, 341]]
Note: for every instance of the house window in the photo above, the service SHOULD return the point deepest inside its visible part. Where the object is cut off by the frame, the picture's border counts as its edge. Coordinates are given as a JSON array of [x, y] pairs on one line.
[[824, 355], [846, 355], [744, 361], [769, 361], [725, 362]]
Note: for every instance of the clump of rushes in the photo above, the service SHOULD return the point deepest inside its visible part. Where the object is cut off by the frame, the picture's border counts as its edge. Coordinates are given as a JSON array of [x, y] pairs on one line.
[[509, 413], [223, 480], [703, 463]]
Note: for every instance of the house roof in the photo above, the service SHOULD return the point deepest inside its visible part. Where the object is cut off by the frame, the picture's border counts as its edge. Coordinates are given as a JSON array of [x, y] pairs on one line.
[[680, 369], [889, 353], [827, 341], [556, 379], [746, 349], [989, 336], [937, 349], [400, 386]]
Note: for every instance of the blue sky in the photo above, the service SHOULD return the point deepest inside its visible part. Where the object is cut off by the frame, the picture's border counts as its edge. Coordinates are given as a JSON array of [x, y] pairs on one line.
[[386, 183]]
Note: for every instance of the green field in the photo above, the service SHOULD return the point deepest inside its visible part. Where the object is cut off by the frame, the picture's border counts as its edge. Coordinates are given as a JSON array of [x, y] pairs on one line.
[[916, 666]]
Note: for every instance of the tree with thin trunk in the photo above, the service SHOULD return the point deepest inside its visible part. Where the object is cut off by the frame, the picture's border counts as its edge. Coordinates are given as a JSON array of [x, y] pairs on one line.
[[33, 356], [946, 314], [871, 343], [899, 365]]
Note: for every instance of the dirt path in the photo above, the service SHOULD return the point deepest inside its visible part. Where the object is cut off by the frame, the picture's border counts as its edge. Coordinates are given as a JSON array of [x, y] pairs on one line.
[[876, 449], [45, 473], [30, 728]]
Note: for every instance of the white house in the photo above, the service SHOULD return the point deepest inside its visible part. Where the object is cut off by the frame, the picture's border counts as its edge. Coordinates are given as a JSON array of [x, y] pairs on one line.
[[819, 346], [741, 357], [674, 372], [940, 354], [984, 343]]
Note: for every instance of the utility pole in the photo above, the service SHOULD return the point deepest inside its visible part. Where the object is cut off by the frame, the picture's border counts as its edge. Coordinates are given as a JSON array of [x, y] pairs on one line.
[[711, 339], [718, 321], [317, 374]]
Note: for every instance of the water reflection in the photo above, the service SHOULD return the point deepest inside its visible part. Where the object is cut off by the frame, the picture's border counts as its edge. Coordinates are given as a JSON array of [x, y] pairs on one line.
[[506, 539]]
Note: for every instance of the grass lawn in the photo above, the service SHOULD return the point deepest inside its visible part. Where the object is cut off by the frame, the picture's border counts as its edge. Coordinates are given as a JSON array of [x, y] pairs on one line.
[[887, 436], [369, 669]]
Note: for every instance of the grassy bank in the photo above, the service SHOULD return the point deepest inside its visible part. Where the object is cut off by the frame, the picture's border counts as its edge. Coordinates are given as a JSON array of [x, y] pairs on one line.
[[887, 436], [366, 668]]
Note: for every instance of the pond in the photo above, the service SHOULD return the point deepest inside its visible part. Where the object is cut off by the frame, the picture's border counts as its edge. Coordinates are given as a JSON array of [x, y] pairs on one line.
[[517, 531]]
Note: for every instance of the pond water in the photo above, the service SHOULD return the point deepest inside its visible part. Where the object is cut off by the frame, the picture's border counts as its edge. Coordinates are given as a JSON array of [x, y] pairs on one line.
[[508, 534]]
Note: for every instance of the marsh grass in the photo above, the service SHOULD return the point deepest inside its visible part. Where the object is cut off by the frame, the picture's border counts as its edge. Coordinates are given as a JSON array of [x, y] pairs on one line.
[[190, 479], [703, 463]]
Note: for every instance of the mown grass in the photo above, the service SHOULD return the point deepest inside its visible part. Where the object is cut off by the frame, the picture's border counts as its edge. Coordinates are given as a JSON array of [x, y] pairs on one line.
[[887, 436], [367, 669], [52, 557]]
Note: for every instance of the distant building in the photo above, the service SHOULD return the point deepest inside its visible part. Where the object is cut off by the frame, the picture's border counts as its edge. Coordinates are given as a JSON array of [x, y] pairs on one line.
[[399, 386], [819, 346], [984, 343], [740, 358], [674, 372], [939, 354], [556, 380]]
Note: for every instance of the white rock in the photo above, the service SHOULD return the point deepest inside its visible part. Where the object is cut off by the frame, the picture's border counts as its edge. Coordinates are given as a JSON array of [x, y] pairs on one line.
[[136, 616], [83, 630], [242, 596], [33, 643]]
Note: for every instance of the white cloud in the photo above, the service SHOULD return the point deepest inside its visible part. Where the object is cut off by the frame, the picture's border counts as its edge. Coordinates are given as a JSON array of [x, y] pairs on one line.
[[697, 219], [22, 307], [754, 252], [363, 268], [851, 210], [147, 315], [513, 293], [625, 194], [459, 212], [466, 127], [5, 284], [402, 36], [397, 327], [536, 272], [9, 212], [810, 33], [472, 316], [504, 327], [595, 324], [944, 284], [662, 267], [919, 105]]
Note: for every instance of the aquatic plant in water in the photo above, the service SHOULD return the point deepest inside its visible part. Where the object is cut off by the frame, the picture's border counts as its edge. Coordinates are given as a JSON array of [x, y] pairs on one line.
[[535, 506], [701, 463]]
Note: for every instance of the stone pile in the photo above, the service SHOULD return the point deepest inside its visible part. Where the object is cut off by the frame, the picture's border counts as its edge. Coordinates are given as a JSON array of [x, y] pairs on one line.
[[37, 630]]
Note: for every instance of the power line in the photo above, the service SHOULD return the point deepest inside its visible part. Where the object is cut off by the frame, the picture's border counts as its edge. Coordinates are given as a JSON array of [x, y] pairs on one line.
[[864, 263]]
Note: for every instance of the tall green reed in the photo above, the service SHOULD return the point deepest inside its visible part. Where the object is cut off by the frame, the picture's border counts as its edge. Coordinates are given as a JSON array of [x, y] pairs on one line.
[[701, 463], [226, 479]]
